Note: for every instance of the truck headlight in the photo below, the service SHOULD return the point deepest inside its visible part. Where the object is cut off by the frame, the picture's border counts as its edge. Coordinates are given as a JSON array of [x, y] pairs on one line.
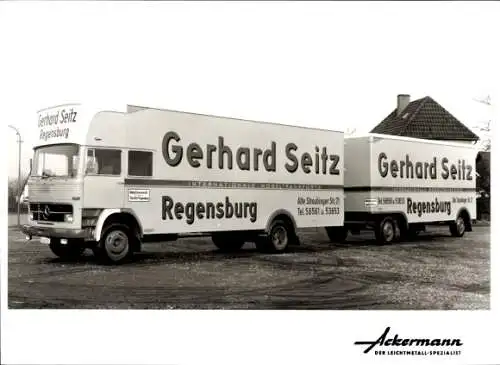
[[32, 216], [68, 218]]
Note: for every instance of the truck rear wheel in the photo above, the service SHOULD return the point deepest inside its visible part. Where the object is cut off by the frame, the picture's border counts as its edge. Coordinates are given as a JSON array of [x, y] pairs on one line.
[[70, 251], [457, 228], [280, 235], [228, 242], [386, 231], [115, 245], [336, 234]]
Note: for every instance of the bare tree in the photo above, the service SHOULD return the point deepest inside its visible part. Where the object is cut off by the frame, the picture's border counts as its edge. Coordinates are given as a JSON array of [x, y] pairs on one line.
[[14, 193], [484, 127]]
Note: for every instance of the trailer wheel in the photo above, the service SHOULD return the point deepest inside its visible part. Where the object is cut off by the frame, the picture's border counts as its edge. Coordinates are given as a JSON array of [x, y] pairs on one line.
[[336, 234], [457, 228], [280, 235], [386, 232], [115, 245], [71, 251], [228, 242]]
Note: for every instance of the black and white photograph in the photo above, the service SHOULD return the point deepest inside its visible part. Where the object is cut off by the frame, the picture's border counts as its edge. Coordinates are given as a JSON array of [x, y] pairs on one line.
[[230, 166]]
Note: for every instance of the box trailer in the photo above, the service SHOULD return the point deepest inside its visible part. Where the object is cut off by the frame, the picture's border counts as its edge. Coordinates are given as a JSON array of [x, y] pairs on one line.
[[110, 181], [397, 185]]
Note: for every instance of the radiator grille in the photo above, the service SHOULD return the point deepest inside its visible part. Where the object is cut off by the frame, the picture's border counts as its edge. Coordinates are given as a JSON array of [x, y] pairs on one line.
[[48, 212]]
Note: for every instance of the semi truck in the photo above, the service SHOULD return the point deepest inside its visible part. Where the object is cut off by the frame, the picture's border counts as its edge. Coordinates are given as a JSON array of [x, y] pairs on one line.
[[113, 180]]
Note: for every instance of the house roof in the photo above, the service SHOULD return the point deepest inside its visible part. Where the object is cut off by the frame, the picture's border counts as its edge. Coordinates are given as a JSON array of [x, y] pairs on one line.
[[425, 118]]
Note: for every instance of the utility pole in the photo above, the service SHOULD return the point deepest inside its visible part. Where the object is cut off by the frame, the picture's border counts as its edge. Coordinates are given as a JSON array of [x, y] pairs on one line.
[[19, 141]]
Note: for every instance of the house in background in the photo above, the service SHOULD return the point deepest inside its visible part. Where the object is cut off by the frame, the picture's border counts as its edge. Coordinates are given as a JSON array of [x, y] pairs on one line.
[[424, 118]]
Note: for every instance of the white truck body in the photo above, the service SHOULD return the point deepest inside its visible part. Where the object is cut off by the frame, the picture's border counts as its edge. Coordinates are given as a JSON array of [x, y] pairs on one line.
[[422, 180], [179, 173]]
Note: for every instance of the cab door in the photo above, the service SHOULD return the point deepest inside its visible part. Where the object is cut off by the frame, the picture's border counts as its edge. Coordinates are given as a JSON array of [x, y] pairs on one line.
[[140, 191], [104, 178]]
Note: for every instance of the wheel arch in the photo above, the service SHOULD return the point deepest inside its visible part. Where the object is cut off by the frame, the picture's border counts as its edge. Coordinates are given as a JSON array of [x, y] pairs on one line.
[[399, 216], [125, 216], [285, 214], [402, 220]]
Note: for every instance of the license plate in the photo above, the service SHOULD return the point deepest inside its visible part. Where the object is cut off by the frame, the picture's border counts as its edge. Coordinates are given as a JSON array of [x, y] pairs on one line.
[[44, 240]]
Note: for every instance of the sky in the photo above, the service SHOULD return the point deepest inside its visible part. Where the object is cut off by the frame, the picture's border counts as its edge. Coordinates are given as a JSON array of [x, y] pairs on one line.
[[330, 65]]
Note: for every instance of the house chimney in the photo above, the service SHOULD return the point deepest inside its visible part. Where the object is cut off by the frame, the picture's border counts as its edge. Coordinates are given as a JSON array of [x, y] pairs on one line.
[[403, 101]]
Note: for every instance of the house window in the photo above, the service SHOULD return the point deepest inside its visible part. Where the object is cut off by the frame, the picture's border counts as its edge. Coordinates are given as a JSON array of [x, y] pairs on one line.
[[140, 163]]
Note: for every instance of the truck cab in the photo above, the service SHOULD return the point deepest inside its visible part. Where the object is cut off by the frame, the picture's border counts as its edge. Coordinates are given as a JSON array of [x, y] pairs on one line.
[[73, 180]]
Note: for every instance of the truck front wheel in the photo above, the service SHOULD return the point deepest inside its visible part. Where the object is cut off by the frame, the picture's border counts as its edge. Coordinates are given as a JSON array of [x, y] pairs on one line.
[[115, 245], [70, 251]]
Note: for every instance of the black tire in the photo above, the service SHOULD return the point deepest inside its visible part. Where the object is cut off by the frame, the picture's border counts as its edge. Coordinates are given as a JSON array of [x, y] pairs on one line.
[[116, 244], [70, 251], [95, 250], [412, 233], [294, 240], [386, 232], [336, 234], [281, 235], [457, 228], [397, 231], [228, 242]]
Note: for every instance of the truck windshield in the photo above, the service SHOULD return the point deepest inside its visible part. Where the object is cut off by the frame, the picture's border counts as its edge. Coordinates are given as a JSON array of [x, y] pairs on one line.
[[56, 161]]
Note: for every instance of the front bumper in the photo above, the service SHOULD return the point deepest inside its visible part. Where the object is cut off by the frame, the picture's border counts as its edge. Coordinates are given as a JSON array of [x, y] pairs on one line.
[[31, 231]]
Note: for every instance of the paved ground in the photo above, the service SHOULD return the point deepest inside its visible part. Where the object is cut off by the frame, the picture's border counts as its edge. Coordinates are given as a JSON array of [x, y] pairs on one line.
[[434, 272]]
